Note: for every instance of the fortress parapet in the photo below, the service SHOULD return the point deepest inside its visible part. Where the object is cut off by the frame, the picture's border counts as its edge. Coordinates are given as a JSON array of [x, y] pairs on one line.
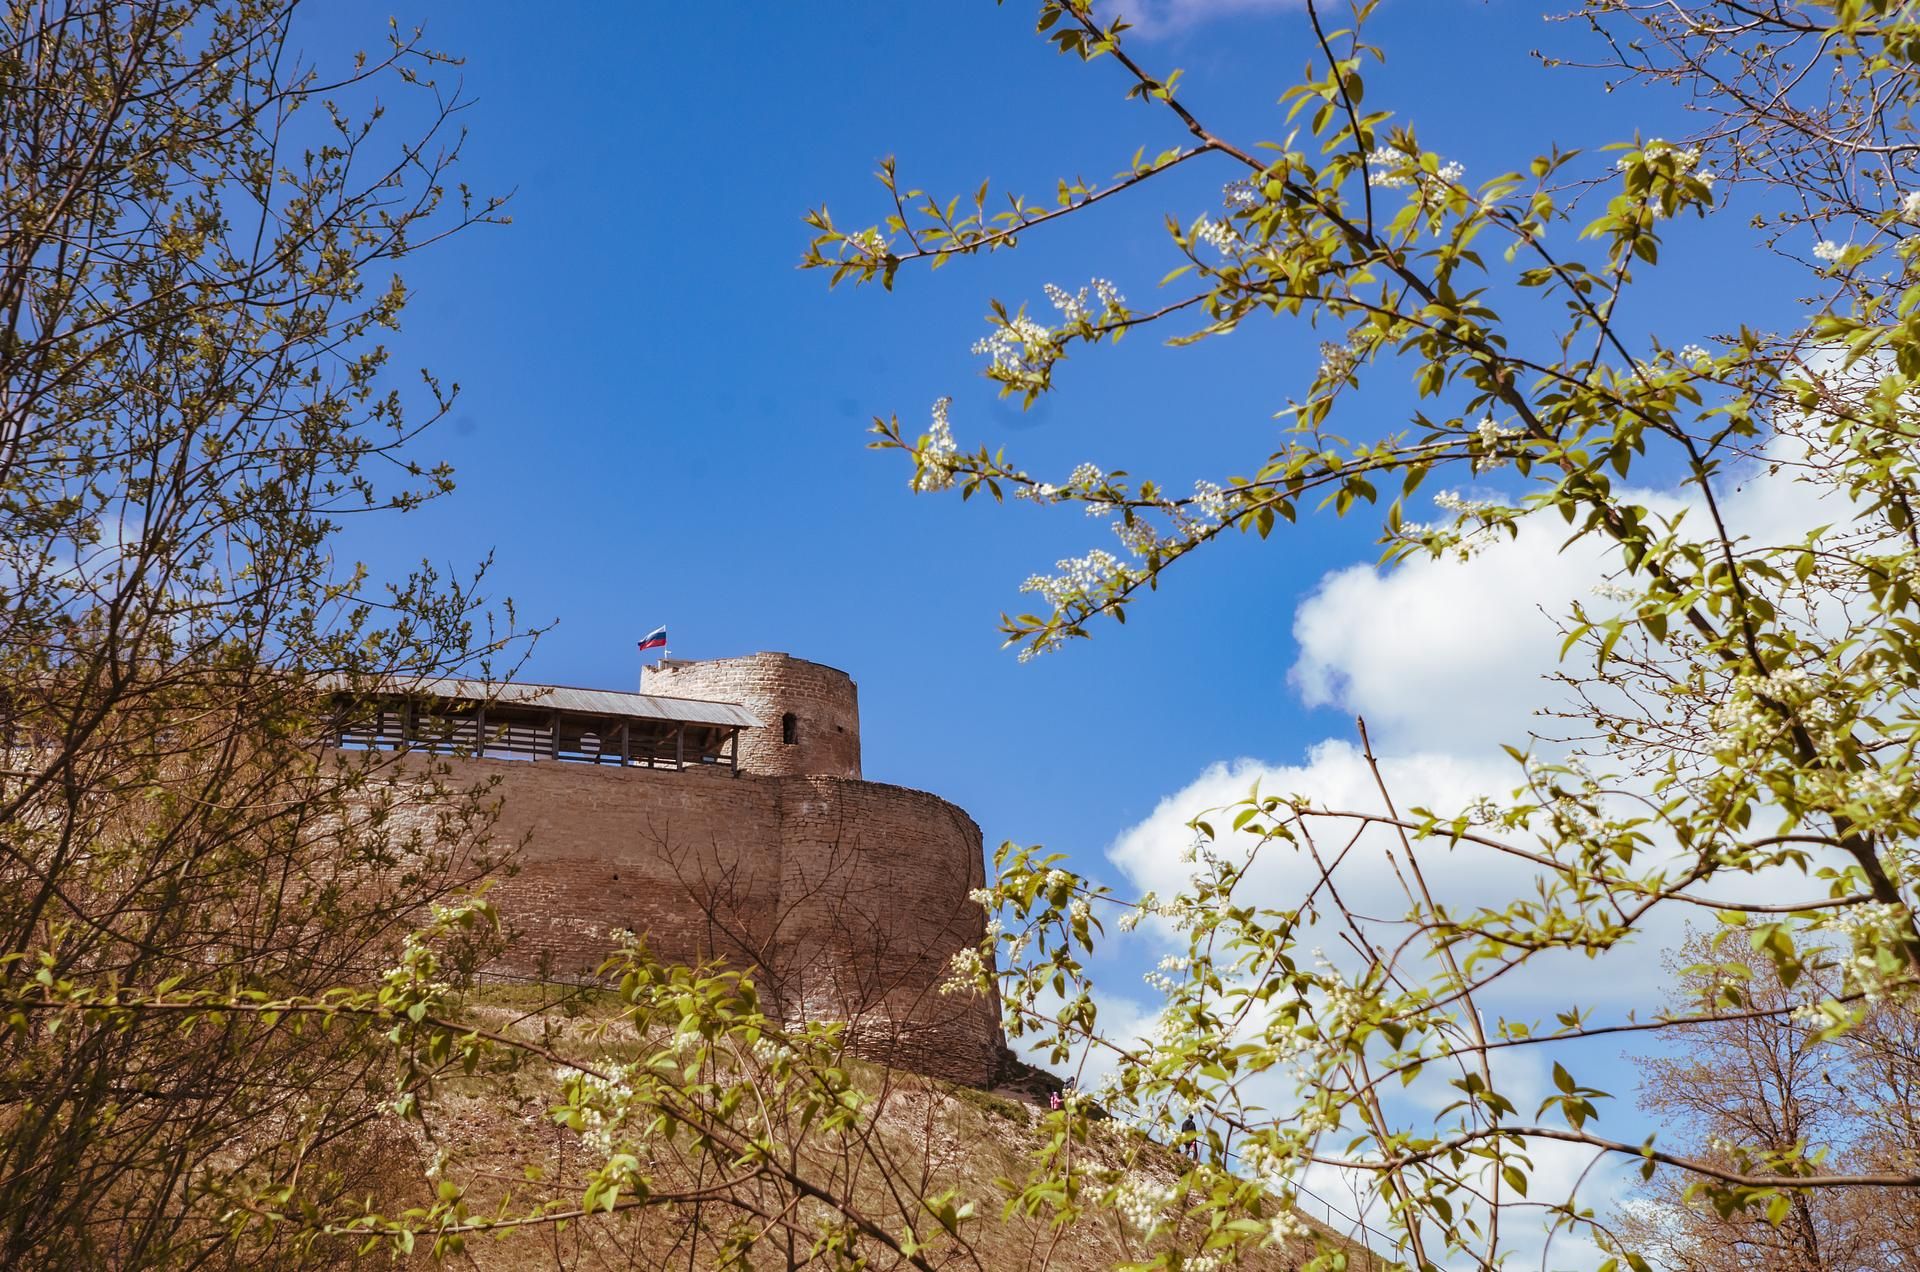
[[810, 714], [721, 815]]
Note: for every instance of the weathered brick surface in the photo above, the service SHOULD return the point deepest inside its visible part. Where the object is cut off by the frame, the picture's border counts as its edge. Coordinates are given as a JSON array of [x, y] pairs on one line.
[[849, 897], [823, 700], [603, 848], [875, 879]]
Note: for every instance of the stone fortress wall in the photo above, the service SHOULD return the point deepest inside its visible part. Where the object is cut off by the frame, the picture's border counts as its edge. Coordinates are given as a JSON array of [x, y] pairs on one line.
[[812, 712], [849, 897]]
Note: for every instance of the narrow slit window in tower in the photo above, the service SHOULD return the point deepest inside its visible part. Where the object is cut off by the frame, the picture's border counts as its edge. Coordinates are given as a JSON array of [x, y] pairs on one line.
[[789, 728]]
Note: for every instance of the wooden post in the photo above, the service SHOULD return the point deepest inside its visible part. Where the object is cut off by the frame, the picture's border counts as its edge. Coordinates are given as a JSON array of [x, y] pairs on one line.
[[733, 750], [553, 739], [680, 746], [480, 731], [625, 746]]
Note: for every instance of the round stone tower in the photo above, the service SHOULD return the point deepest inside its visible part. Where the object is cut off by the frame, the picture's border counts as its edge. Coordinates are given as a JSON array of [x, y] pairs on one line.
[[811, 712]]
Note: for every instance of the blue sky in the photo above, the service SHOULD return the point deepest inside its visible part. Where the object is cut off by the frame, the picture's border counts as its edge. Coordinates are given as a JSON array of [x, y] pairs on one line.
[[664, 421]]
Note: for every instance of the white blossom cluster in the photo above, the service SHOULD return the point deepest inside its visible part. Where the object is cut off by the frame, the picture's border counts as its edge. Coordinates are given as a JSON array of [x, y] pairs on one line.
[[1455, 539], [1490, 431], [1689, 158], [1336, 360], [771, 1053], [1693, 355], [1910, 207], [936, 458], [1086, 477], [1871, 927], [1268, 1166], [1042, 492], [1383, 168], [1615, 592], [1162, 979], [1219, 235], [418, 965], [1239, 195], [1210, 501], [602, 1102], [1200, 847], [1316, 1119], [1043, 643], [1490, 434], [1139, 537], [1829, 251], [1020, 346], [1148, 905], [1453, 501], [1880, 789], [1141, 1202], [1571, 795], [1079, 578], [963, 972], [1344, 1008], [1177, 1032], [1074, 307], [871, 244], [687, 1043], [991, 936], [1181, 912], [1390, 169], [1744, 718], [1191, 518]]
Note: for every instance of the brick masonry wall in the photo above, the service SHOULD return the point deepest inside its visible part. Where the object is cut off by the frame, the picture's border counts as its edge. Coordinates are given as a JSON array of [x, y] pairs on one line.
[[849, 897], [824, 701], [876, 880]]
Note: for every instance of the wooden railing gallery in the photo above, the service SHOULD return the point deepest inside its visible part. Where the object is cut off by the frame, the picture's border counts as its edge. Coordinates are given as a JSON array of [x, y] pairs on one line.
[[528, 731]]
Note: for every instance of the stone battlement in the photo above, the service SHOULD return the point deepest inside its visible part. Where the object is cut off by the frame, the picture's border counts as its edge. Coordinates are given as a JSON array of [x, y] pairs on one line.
[[811, 712], [848, 898]]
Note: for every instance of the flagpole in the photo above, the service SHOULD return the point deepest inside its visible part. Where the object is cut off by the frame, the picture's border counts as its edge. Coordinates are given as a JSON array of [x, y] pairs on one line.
[[646, 644]]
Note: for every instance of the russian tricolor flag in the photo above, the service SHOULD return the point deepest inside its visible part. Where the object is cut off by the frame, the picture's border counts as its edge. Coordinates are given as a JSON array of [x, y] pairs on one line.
[[655, 639]]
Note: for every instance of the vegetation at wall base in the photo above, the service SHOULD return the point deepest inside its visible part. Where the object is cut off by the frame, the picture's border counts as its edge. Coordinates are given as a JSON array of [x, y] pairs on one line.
[[1734, 736], [240, 1024]]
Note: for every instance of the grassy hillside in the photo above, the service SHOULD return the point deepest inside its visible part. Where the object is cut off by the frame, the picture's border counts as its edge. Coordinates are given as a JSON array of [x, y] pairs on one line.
[[495, 1137]]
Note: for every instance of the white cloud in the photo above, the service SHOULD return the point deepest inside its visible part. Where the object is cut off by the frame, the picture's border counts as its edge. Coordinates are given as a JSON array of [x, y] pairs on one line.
[[1560, 1171], [1335, 775], [1371, 875], [1152, 18], [1444, 654], [1447, 659]]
